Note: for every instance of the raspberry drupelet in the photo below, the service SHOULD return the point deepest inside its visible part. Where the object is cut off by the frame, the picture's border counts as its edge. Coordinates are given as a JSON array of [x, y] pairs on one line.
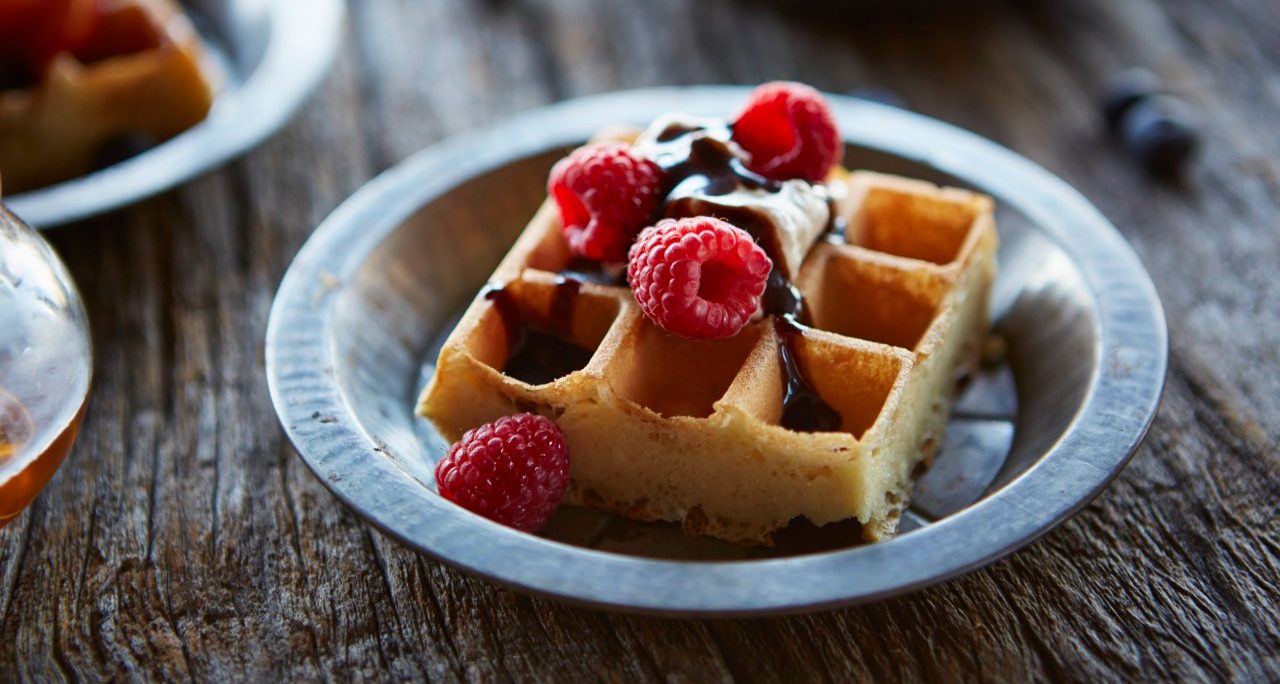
[[513, 471], [606, 193], [699, 277]]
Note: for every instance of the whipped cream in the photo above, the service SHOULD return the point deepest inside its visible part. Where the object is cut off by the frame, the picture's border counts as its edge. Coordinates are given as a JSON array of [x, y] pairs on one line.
[[712, 179]]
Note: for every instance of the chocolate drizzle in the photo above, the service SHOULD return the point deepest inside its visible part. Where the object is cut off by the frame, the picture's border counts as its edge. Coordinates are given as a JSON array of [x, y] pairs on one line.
[[564, 302], [783, 299], [539, 357], [803, 409], [591, 271], [506, 307], [699, 162], [535, 355]]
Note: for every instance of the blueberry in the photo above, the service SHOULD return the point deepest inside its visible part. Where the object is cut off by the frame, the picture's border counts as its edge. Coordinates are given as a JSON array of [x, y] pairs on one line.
[[1160, 131], [881, 95], [1124, 90]]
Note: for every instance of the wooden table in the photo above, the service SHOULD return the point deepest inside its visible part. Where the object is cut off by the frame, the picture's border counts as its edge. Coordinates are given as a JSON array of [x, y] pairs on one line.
[[183, 538]]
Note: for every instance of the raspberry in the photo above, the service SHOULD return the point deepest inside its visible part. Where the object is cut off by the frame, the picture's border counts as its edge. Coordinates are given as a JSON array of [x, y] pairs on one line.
[[698, 277], [789, 131], [513, 471], [606, 194]]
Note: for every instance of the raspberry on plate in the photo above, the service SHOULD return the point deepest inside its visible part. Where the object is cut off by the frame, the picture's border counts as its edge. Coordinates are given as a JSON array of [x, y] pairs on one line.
[[789, 131], [698, 277], [606, 193], [514, 471]]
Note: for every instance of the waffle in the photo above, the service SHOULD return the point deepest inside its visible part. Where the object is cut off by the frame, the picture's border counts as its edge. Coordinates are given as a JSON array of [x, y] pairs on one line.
[[141, 79], [664, 428]]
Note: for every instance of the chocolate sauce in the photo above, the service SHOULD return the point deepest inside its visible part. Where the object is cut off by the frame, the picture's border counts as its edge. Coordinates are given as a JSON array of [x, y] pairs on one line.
[[564, 302], [803, 409], [679, 128], [699, 162], [539, 356], [591, 271], [783, 299], [505, 305]]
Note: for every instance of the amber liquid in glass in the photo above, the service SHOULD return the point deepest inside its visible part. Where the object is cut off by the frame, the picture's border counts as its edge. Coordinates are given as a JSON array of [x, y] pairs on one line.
[[20, 489], [44, 377]]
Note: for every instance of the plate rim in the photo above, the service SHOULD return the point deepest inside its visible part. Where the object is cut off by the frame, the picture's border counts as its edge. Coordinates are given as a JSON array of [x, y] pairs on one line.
[[303, 43], [1125, 392]]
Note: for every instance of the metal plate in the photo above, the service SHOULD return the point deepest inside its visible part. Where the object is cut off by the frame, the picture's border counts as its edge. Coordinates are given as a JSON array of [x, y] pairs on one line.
[[273, 53], [360, 313]]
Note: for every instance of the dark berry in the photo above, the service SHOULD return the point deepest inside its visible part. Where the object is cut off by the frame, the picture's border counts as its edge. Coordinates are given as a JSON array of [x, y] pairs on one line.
[[1125, 89], [1161, 133]]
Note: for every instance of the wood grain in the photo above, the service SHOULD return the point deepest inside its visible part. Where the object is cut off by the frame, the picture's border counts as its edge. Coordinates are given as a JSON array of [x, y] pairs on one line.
[[184, 540]]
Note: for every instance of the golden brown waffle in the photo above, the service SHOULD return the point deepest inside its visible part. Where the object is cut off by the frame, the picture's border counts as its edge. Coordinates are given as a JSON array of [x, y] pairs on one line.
[[664, 428], [142, 76]]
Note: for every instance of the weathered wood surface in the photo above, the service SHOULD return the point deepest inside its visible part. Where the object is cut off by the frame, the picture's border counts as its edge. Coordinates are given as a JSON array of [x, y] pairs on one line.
[[183, 538]]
